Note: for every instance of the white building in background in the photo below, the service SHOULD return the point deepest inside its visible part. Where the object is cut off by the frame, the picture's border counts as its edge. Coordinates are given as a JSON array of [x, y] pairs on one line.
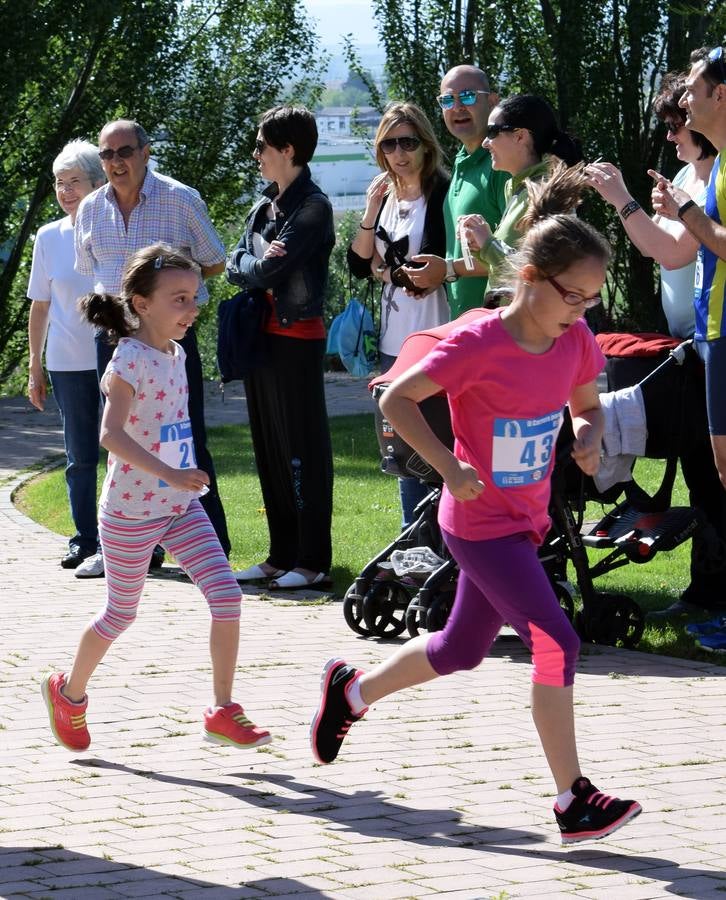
[[344, 164]]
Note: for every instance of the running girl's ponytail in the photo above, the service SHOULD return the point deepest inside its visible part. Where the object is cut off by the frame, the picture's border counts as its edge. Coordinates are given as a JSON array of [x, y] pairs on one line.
[[560, 192], [555, 238], [109, 312], [117, 314]]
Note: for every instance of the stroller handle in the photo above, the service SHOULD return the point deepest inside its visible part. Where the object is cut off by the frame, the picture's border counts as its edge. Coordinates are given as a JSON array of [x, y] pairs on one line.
[[676, 357]]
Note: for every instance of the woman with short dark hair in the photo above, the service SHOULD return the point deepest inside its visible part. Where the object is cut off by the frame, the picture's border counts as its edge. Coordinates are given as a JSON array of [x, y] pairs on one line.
[[284, 252]]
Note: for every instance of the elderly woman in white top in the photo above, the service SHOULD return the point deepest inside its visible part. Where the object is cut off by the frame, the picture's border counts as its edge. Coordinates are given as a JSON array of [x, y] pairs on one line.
[[672, 245], [70, 356]]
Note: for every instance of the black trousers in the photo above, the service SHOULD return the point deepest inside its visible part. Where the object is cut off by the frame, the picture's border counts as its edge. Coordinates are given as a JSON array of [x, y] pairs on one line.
[[291, 440], [211, 501]]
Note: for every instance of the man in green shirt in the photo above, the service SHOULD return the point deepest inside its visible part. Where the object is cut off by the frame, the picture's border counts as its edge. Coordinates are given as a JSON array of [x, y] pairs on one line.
[[465, 102]]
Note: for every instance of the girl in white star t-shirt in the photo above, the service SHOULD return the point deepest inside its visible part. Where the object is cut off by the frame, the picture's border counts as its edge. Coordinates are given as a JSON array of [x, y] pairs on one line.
[[150, 494]]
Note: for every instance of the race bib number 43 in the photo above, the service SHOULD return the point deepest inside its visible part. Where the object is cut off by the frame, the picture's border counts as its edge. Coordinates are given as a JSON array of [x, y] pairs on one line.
[[176, 447], [522, 449]]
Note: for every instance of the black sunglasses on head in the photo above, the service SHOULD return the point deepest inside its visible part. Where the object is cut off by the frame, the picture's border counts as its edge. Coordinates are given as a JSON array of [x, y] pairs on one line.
[[409, 143], [123, 152], [716, 55]]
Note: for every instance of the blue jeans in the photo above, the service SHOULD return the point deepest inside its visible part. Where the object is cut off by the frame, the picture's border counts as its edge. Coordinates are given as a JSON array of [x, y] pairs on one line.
[[78, 399], [411, 490]]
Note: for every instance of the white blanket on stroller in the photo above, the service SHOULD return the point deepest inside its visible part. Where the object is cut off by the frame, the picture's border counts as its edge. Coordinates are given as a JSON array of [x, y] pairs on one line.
[[624, 437]]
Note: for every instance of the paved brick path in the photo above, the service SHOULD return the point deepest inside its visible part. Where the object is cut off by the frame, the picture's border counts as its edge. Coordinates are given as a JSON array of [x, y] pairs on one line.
[[442, 790]]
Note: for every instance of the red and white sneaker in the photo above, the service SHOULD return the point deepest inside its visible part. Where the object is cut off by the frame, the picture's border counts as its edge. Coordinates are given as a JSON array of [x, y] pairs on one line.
[[229, 725], [67, 719]]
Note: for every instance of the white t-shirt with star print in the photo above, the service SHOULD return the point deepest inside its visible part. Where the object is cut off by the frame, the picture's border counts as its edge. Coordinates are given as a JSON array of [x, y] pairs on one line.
[[159, 422]]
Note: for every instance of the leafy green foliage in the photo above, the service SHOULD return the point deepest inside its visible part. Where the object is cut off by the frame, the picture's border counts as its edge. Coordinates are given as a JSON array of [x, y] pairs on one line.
[[195, 73], [598, 63]]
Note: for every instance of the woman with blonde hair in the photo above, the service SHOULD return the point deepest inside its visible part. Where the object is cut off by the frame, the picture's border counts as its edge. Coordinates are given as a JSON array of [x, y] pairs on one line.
[[403, 217]]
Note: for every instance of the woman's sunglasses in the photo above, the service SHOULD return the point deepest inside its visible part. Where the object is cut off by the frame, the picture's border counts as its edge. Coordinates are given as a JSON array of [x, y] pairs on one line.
[[494, 130], [408, 143], [466, 98]]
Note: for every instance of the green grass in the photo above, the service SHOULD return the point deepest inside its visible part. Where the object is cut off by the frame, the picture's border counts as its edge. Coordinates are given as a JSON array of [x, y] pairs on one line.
[[366, 516], [366, 512]]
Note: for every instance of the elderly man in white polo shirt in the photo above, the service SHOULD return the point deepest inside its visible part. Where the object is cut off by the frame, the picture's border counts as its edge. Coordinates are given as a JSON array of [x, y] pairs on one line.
[[136, 208]]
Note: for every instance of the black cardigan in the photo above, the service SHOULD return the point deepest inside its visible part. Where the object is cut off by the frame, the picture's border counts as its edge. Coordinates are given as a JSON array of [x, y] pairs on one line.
[[434, 233]]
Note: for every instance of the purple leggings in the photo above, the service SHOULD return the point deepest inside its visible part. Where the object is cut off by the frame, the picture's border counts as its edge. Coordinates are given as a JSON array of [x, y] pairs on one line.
[[502, 580]]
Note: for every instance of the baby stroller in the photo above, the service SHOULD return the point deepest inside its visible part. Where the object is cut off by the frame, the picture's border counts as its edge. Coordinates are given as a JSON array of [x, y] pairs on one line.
[[383, 603]]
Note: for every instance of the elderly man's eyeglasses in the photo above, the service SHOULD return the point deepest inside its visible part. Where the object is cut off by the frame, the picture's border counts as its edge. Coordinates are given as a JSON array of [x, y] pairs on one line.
[[572, 299], [409, 143], [466, 98], [124, 152], [717, 55]]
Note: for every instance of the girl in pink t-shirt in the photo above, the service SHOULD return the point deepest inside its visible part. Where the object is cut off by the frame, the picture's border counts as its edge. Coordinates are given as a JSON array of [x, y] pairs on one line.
[[150, 494], [508, 377]]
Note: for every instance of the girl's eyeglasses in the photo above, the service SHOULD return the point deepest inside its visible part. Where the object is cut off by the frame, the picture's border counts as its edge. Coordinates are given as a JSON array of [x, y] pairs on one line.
[[572, 299], [466, 98], [494, 130], [408, 143]]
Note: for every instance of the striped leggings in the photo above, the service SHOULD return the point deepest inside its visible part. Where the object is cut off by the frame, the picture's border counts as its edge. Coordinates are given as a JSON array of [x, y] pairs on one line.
[[127, 547]]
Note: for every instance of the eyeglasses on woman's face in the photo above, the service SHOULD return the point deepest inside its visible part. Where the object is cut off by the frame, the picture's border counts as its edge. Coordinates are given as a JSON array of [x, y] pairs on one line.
[[466, 98], [674, 127], [259, 145], [409, 143], [571, 298]]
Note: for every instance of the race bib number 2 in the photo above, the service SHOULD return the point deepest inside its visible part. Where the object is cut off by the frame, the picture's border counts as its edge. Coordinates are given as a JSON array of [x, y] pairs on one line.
[[522, 449], [176, 447]]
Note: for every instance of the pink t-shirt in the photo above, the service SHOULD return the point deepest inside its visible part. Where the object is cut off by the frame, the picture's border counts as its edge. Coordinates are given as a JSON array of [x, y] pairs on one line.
[[506, 410], [159, 422]]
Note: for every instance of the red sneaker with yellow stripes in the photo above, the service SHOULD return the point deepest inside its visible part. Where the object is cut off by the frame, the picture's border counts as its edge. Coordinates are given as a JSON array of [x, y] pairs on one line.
[[67, 719], [229, 725]]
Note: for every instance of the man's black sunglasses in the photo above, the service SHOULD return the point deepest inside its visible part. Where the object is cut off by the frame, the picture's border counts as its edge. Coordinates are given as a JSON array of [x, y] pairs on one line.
[[124, 152]]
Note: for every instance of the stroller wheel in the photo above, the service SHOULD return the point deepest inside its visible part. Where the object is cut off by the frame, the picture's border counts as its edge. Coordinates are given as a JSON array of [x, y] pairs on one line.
[[618, 621], [564, 593], [417, 614], [384, 608], [439, 610], [353, 611]]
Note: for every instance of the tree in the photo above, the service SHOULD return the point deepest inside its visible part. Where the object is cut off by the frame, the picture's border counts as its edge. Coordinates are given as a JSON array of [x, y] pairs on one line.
[[195, 73], [599, 62]]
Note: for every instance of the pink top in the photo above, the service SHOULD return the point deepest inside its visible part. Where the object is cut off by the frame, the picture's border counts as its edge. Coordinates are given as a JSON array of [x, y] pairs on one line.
[[506, 411], [159, 422]]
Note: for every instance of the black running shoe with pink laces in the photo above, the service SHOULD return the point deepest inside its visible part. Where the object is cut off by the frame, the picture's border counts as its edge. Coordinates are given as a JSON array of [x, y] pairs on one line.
[[593, 815], [333, 716]]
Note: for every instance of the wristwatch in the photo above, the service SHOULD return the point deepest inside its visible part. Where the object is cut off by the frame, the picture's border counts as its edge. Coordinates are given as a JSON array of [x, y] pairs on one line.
[[380, 269], [451, 275]]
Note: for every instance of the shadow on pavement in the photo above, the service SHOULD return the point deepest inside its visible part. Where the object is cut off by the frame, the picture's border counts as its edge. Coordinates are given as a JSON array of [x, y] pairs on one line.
[[31, 870], [371, 814]]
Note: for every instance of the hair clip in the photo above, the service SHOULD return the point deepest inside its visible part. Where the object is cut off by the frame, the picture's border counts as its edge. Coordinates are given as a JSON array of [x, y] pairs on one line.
[[159, 262]]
